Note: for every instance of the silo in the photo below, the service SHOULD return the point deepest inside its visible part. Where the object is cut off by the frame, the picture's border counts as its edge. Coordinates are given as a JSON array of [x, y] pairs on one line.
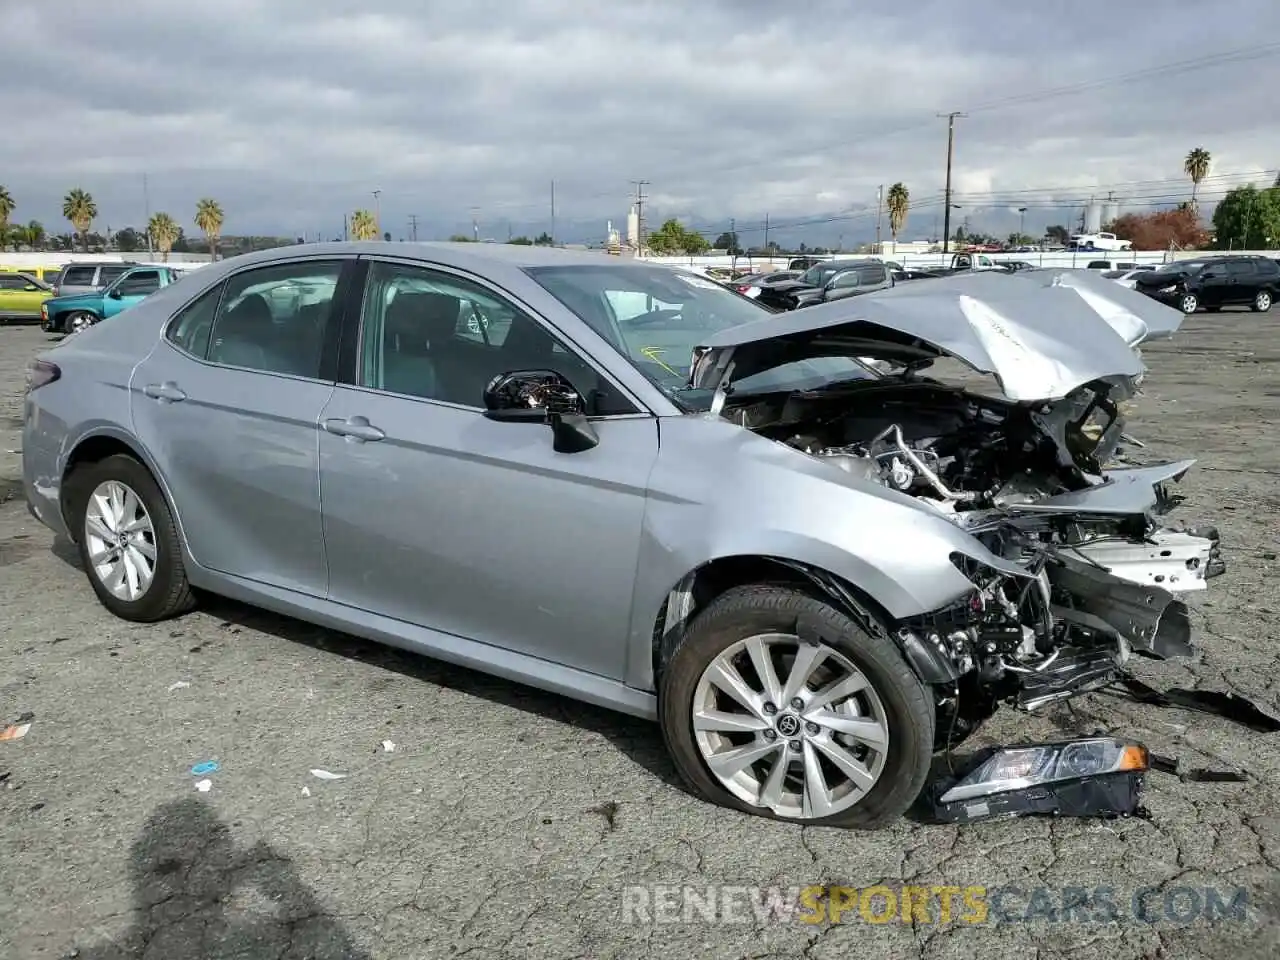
[[633, 227], [1093, 218], [1110, 211]]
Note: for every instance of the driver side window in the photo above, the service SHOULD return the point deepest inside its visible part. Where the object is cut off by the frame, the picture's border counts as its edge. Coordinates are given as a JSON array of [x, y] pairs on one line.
[[440, 337]]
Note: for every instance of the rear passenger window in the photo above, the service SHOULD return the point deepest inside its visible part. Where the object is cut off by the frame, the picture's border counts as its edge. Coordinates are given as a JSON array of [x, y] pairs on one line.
[[190, 329], [273, 319], [78, 277]]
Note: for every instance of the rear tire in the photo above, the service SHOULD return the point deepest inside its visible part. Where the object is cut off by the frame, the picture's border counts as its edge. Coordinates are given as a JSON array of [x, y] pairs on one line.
[[871, 748], [1262, 302], [128, 540]]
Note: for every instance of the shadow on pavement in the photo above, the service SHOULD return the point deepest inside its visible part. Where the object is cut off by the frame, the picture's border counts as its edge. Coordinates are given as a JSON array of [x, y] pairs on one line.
[[196, 896], [639, 740]]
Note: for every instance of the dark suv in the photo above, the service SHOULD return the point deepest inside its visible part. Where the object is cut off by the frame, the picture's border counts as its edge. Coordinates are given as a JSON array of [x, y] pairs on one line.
[[828, 280], [1214, 283]]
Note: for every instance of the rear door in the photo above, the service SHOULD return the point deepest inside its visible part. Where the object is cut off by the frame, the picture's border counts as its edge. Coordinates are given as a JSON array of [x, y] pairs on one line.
[[228, 404], [438, 516], [1243, 282]]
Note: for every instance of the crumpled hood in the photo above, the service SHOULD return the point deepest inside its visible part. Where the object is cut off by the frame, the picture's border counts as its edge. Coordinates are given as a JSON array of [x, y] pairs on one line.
[[1042, 334]]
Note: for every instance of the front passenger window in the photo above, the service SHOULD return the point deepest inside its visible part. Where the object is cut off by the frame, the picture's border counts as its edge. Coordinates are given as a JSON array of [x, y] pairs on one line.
[[274, 318]]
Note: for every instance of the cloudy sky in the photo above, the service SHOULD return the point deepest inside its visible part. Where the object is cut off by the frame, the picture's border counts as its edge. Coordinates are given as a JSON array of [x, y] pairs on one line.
[[290, 112]]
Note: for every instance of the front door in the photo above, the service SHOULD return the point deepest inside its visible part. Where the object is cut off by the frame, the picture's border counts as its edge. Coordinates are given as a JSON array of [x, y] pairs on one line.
[[438, 516], [128, 290], [228, 404]]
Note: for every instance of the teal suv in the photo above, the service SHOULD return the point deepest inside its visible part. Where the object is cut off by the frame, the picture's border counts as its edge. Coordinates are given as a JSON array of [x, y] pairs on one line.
[[80, 311]]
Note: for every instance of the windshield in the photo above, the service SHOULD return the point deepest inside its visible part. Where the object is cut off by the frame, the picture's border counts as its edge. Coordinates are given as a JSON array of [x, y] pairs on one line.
[[819, 274], [655, 317]]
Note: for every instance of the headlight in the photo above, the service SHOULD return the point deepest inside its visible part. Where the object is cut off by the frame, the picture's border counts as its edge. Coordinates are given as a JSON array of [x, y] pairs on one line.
[[1017, 768]]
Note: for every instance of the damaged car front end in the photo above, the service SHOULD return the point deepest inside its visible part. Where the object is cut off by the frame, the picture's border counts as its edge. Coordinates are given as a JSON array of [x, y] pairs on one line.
[[1093, 569]]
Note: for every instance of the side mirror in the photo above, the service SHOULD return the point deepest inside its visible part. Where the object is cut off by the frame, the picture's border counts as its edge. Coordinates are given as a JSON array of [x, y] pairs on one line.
[[542, 396], [114, 294]]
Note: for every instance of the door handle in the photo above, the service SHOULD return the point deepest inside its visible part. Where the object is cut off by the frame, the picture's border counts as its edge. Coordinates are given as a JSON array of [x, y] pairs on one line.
[[357, 429], [167, 392]]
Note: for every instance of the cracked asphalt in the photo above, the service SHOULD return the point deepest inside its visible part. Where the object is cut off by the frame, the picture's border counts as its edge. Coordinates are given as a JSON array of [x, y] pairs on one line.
[[509, 823]]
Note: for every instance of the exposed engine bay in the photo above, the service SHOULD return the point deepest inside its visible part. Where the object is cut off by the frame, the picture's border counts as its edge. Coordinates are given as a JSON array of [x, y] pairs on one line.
[[1037, 485]]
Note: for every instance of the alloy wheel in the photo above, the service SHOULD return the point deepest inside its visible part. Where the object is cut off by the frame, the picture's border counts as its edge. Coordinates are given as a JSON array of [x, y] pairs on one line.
[[1189, 303], [791, 726], [79, 321], [121, 540], [1262, 302]]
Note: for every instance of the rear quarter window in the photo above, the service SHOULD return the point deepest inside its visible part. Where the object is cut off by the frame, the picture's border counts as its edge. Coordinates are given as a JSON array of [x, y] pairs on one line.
[[78, 276]]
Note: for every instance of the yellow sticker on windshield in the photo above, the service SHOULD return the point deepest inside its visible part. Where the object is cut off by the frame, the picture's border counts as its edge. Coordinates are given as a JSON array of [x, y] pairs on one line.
[[655, 354]]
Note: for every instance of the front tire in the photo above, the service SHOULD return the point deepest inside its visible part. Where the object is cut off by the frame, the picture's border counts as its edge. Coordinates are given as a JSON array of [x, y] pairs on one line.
[[1190, 303], [778, 704], [128, 540], [1262, 302], [80, 320]]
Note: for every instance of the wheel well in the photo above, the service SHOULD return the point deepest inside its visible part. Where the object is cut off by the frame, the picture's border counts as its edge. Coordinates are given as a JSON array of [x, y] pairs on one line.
[[704, 584], [90, 450]]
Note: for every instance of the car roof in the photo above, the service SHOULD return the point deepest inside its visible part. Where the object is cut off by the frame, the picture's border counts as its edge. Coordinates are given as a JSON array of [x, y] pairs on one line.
[[464, 255]]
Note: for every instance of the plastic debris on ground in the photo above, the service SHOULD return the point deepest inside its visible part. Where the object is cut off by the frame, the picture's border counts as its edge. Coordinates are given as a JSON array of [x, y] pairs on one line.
[[326, 775], [204, 786], [15, 731], [1226, 705], [306, 791], [200, 769], [1090, 777], [178, 685], [388, 746]]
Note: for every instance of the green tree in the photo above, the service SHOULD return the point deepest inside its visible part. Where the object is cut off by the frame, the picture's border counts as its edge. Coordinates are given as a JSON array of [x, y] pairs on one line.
[[728, 241], [128, 240], [672, 238], [1247, 219], [209, 219], [364, 226], [164, 233], [1196, 166], [6, 211], [78, 207], [899, 202], [521, 241], [543, 239], [460, 238], [32, 234]]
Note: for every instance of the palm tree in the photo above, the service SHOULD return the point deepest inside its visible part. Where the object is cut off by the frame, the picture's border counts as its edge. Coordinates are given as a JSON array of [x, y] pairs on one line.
[[6, 211], [164, 232], [1196, 166], [32, 234], [898, 201], [209, 219], [364, 226], [79, 208]]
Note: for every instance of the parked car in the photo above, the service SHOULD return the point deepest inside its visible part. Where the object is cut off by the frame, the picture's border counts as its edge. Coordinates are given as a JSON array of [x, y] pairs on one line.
[[810, 260], [753, 284], [21, 296], [76, 278], [1116, 265], [1128, 278], [827, 280], [1214, 283], [73, 313], [634, 487], [1098, 241], [45, 274]]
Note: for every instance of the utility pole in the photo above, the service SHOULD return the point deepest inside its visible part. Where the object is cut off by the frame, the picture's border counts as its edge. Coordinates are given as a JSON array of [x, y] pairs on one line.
[[879, 211], [377, 210], [1022, 224], [413, 227], [146, 226], [951, 147], [553, 213], [475, 224], [766, 235], [640, 199], [345, 234], [733, 244]]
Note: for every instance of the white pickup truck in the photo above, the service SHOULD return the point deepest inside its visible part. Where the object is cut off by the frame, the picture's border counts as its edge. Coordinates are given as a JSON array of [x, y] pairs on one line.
[[1098, 241]]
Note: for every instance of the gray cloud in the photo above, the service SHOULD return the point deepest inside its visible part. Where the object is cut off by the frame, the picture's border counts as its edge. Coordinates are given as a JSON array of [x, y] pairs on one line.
[[292, 112]]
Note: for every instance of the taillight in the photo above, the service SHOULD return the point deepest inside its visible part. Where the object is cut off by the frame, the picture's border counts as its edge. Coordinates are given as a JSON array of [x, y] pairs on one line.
[[744, 288], [40, 373]]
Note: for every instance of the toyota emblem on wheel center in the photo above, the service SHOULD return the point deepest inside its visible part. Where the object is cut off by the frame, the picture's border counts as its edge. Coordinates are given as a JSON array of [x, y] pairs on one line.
[[788, 725]]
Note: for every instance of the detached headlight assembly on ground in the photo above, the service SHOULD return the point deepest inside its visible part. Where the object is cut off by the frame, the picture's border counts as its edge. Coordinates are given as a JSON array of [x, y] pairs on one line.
[[1096, 777]]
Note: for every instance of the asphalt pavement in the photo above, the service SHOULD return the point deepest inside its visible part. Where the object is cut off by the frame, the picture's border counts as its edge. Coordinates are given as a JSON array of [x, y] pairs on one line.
[[475, 817]]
